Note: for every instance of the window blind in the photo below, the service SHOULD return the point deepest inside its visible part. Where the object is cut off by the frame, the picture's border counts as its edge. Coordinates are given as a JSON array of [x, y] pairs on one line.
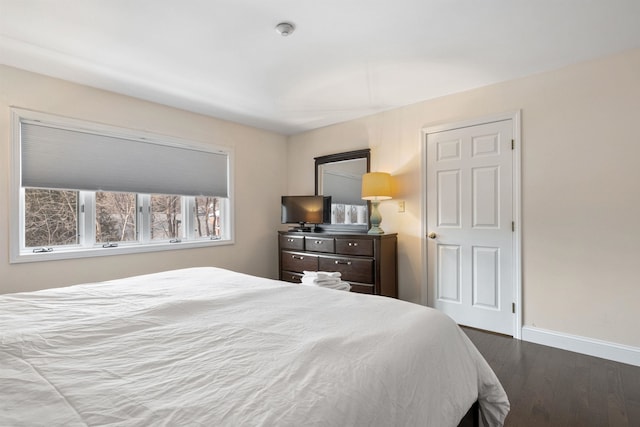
[[54, 157]]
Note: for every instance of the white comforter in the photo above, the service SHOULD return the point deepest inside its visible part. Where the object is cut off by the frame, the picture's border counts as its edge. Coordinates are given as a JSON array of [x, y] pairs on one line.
[[210, 347]]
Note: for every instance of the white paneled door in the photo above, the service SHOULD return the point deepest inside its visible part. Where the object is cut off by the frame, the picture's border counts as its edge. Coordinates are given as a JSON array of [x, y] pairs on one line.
[[469, 224]]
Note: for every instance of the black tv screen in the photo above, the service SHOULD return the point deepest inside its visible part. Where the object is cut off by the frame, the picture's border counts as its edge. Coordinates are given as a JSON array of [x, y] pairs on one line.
[[305, 209]]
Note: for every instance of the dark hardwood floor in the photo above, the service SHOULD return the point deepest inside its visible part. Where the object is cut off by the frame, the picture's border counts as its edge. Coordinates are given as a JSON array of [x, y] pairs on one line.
[[552, 387]]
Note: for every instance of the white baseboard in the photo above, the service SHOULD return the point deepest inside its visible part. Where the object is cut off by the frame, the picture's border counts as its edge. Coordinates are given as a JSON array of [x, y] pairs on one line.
[[592, 347]]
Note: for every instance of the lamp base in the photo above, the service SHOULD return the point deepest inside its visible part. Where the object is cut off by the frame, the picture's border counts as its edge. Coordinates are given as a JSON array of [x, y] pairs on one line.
[[375, 230], [376, 219]]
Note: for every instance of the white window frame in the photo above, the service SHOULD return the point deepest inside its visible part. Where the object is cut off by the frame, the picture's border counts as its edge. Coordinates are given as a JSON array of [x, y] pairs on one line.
[[87, 246]]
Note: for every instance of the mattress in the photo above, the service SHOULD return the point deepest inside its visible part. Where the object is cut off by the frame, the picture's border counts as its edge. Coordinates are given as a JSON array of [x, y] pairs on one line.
[[208, 346]]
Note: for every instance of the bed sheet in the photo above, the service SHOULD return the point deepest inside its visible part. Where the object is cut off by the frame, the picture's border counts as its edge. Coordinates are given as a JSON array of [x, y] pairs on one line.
[[208, 346]]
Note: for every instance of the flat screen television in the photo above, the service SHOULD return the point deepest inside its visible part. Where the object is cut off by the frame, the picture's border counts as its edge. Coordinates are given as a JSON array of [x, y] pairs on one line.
[[305, 210]]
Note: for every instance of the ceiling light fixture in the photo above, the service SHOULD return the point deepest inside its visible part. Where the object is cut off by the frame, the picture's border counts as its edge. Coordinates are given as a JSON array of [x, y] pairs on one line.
[[285, 28]]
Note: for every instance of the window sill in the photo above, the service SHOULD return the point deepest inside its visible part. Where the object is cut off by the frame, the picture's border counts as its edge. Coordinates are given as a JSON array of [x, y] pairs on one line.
[[98, 251]]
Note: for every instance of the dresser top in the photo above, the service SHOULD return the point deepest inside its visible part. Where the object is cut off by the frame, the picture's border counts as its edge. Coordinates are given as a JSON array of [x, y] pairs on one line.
[[351, 235]]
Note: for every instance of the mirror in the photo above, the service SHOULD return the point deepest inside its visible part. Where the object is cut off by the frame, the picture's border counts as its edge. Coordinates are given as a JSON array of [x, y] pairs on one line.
[[340, 176]]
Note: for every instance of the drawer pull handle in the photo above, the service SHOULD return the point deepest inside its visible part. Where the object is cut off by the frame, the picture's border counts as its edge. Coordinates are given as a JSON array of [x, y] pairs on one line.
[[318, 242], [290, 240], [353, 244], [297, 257], [343, 262]]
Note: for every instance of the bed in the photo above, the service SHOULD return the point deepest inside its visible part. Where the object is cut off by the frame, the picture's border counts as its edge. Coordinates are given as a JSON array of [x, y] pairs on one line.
[[212, 347]]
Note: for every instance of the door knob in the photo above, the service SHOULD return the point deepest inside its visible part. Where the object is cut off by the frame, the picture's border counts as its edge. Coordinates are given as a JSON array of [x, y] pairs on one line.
[[432, 235]]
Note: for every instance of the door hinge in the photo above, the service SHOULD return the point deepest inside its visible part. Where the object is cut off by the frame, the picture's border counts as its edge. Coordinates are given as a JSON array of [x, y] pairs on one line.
[[513, 226], [513, 307], [513, 144]]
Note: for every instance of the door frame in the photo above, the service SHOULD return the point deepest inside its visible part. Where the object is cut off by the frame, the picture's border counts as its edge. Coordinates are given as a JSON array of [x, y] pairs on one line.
[[515, 117]]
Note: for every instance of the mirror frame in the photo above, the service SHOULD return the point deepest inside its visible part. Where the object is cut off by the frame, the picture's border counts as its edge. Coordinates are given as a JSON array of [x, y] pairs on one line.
[[340, 157]]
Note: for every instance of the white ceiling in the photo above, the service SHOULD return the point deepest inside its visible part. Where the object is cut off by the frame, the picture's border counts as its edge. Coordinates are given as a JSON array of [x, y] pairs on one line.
[[346, 59]]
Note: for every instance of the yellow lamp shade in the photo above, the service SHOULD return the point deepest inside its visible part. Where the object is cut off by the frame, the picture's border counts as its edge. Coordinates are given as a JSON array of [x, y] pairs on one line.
[[376, 186]]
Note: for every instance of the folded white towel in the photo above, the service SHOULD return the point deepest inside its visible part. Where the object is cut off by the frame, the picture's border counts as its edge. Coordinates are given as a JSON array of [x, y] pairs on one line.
[[316, 281], [323, 274], [341, 286]]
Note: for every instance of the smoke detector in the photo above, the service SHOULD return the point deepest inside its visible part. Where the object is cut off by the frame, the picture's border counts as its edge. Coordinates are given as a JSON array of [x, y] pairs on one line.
[[285, 28]]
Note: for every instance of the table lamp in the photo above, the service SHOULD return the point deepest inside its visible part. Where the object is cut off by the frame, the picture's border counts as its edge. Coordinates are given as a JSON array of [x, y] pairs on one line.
[[376, 186]]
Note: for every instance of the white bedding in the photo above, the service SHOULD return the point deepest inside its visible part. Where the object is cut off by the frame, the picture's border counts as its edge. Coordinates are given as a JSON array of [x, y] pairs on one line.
[[211, 347]]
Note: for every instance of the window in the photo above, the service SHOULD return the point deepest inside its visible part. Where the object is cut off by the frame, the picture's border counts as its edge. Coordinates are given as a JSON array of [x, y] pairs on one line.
[[166, 217], [82, 189], [115, 217], [51, 217], [207, 210]]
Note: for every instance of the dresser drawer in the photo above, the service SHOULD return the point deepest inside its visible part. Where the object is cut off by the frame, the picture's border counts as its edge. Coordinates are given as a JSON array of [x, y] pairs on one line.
[[362, 289], [291, 276], [292, 242], [363, 247], [352, 269], [319, 244], [299, 262]]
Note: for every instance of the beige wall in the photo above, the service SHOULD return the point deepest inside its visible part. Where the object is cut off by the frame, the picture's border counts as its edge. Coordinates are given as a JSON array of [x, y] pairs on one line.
[[580, 188], [260, 158]]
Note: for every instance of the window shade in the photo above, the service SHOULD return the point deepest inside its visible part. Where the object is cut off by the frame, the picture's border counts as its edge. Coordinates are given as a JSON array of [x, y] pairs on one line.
[[81, 160]]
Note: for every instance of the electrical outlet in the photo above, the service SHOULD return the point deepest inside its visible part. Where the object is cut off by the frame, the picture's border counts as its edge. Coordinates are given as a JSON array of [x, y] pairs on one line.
[[401, 206]]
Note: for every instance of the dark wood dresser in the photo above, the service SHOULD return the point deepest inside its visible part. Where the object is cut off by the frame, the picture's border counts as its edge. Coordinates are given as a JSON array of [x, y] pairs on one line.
[[367, 262]]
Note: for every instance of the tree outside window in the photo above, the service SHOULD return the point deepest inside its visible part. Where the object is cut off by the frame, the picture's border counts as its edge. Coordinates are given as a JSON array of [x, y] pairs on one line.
[[115, 217], [51, 217]]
